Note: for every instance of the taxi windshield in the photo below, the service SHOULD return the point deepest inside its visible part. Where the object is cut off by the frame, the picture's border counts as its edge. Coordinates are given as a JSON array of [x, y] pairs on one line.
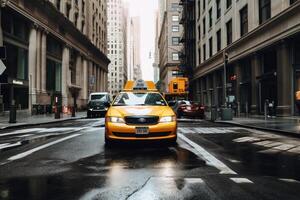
[[139, 99]]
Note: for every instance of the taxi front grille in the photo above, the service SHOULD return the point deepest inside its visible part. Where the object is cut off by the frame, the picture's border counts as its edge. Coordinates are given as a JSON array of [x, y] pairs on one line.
[[141, 120], [133, 135]]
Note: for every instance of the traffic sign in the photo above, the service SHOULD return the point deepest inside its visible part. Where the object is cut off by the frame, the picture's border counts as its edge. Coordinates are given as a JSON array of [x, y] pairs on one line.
[[2, 67]]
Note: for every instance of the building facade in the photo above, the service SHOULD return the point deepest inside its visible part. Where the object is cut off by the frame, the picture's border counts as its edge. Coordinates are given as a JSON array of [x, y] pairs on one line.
[[262, 41], [188, 56], [169, 44], [56, 53], [117, 45], [134, 68]]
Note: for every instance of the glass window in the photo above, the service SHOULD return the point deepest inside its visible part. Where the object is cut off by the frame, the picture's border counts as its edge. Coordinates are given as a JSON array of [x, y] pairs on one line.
[[53, 80], [175, 40], [175, 28], [204, 52], [100, 97], [204, 26], [210, 17], [16, 62], [174, 6], [219, 40], [175, 56], [218, 2], [140, 99], [210, 47], [264, 10], [228, 3], [229, 32], [244, 20], [175, 18]]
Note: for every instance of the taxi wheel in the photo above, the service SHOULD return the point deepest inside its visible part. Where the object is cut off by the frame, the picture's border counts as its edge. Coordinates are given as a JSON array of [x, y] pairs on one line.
[[173, 142], [108, 142]]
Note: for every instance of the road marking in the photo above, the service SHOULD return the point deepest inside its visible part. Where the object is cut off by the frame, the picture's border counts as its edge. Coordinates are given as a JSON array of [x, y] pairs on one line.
[[241, 180], [289, 180], [209, 158], [8, 145], [205, 130], [27, 153]]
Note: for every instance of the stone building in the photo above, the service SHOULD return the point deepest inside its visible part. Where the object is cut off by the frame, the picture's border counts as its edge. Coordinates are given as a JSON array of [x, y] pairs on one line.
[[56, 50], [169, 43], [262, 41]]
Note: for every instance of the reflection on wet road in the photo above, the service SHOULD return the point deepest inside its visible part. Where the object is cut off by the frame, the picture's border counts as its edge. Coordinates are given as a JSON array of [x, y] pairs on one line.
[[83, 168]]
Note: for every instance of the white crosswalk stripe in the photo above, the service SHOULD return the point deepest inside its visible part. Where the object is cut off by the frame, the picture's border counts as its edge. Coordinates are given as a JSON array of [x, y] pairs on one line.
[[206, 130]]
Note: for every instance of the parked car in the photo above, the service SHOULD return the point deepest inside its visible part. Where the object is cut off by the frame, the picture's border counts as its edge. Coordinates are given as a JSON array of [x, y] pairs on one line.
[[98, 104], [184, 108]]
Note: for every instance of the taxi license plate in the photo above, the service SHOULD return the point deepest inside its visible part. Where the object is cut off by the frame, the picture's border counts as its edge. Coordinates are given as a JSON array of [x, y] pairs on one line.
[[141, 130]]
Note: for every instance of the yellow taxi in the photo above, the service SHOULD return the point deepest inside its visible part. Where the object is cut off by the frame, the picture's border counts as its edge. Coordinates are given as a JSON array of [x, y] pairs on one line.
[[140, 112]]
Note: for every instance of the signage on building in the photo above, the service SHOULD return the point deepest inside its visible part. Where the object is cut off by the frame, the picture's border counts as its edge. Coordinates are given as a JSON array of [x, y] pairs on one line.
[[2, 67], [3, 53], [16, 82]]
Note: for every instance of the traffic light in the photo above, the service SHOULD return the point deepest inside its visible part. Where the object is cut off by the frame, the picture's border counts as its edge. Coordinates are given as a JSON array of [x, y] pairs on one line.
[[233, 77]]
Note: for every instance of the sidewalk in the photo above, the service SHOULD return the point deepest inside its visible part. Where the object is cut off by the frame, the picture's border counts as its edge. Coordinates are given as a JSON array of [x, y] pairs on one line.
[[286, 125], [25, 119]]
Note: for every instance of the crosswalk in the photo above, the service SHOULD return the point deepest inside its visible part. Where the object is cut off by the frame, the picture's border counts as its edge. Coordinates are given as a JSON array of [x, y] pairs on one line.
[[207, 130]]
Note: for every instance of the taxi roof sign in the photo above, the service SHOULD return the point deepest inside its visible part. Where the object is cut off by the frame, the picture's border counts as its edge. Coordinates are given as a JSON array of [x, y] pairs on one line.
[[140, 85]]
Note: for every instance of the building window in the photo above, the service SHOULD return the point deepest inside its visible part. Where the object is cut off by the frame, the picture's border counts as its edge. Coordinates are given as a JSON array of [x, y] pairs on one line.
[[58, 3], [228, 3], [204, 52], [175, 28], [210, 17], [198, 8], [175, 40], [210, 47], [53, 79], [293, 1], [219, 40], [229, 32], [199, 55], [174, 6], [218, 2], [175, 56], [204, 4], [175, 18], [204, 26], [264, 10], [244, 20], [199, 32]]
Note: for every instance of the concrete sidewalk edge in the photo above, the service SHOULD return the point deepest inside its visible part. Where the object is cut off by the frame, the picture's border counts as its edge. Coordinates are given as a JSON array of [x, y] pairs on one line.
[[282, 132], [12, 126]]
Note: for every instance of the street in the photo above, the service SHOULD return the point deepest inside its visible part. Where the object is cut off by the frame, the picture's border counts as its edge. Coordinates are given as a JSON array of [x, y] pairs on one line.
[[69, 160]]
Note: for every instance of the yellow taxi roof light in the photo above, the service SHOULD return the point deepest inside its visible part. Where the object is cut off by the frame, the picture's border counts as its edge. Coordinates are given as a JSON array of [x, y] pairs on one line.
[[140, 85]]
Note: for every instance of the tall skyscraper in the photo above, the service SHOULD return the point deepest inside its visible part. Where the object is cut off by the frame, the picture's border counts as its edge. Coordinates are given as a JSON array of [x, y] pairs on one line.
[[134, 69], [117, 45]]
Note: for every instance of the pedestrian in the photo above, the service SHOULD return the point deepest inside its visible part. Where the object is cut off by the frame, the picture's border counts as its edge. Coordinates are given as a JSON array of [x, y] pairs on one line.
[[270, 108]]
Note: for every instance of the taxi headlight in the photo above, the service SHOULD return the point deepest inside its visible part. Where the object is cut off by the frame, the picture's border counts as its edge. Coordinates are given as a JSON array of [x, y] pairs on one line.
[[167, 119], [115, 120]]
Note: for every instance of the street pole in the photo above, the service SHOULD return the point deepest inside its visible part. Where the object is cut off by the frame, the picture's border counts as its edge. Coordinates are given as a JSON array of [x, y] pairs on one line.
[[225, 75]]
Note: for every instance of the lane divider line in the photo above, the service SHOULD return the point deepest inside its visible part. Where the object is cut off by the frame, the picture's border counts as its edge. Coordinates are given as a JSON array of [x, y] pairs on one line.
[[209, 158], [31, 151]]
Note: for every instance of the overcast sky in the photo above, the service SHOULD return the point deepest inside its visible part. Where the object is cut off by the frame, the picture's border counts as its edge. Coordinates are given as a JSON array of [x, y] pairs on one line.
[[146, 10]]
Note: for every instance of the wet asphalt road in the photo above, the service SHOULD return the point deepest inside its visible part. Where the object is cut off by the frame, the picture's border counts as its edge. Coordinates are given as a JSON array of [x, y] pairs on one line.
[[70, 161]]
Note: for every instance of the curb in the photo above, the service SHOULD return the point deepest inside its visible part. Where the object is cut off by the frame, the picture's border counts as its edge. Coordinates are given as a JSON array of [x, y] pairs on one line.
[[41, 123], [281, 132]]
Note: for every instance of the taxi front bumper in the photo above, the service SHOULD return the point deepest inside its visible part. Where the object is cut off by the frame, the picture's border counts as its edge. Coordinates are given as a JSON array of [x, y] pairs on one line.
[[121, 131]]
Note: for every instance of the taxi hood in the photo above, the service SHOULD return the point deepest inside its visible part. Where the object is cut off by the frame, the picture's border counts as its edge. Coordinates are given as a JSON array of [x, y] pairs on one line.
[[122, 111]]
